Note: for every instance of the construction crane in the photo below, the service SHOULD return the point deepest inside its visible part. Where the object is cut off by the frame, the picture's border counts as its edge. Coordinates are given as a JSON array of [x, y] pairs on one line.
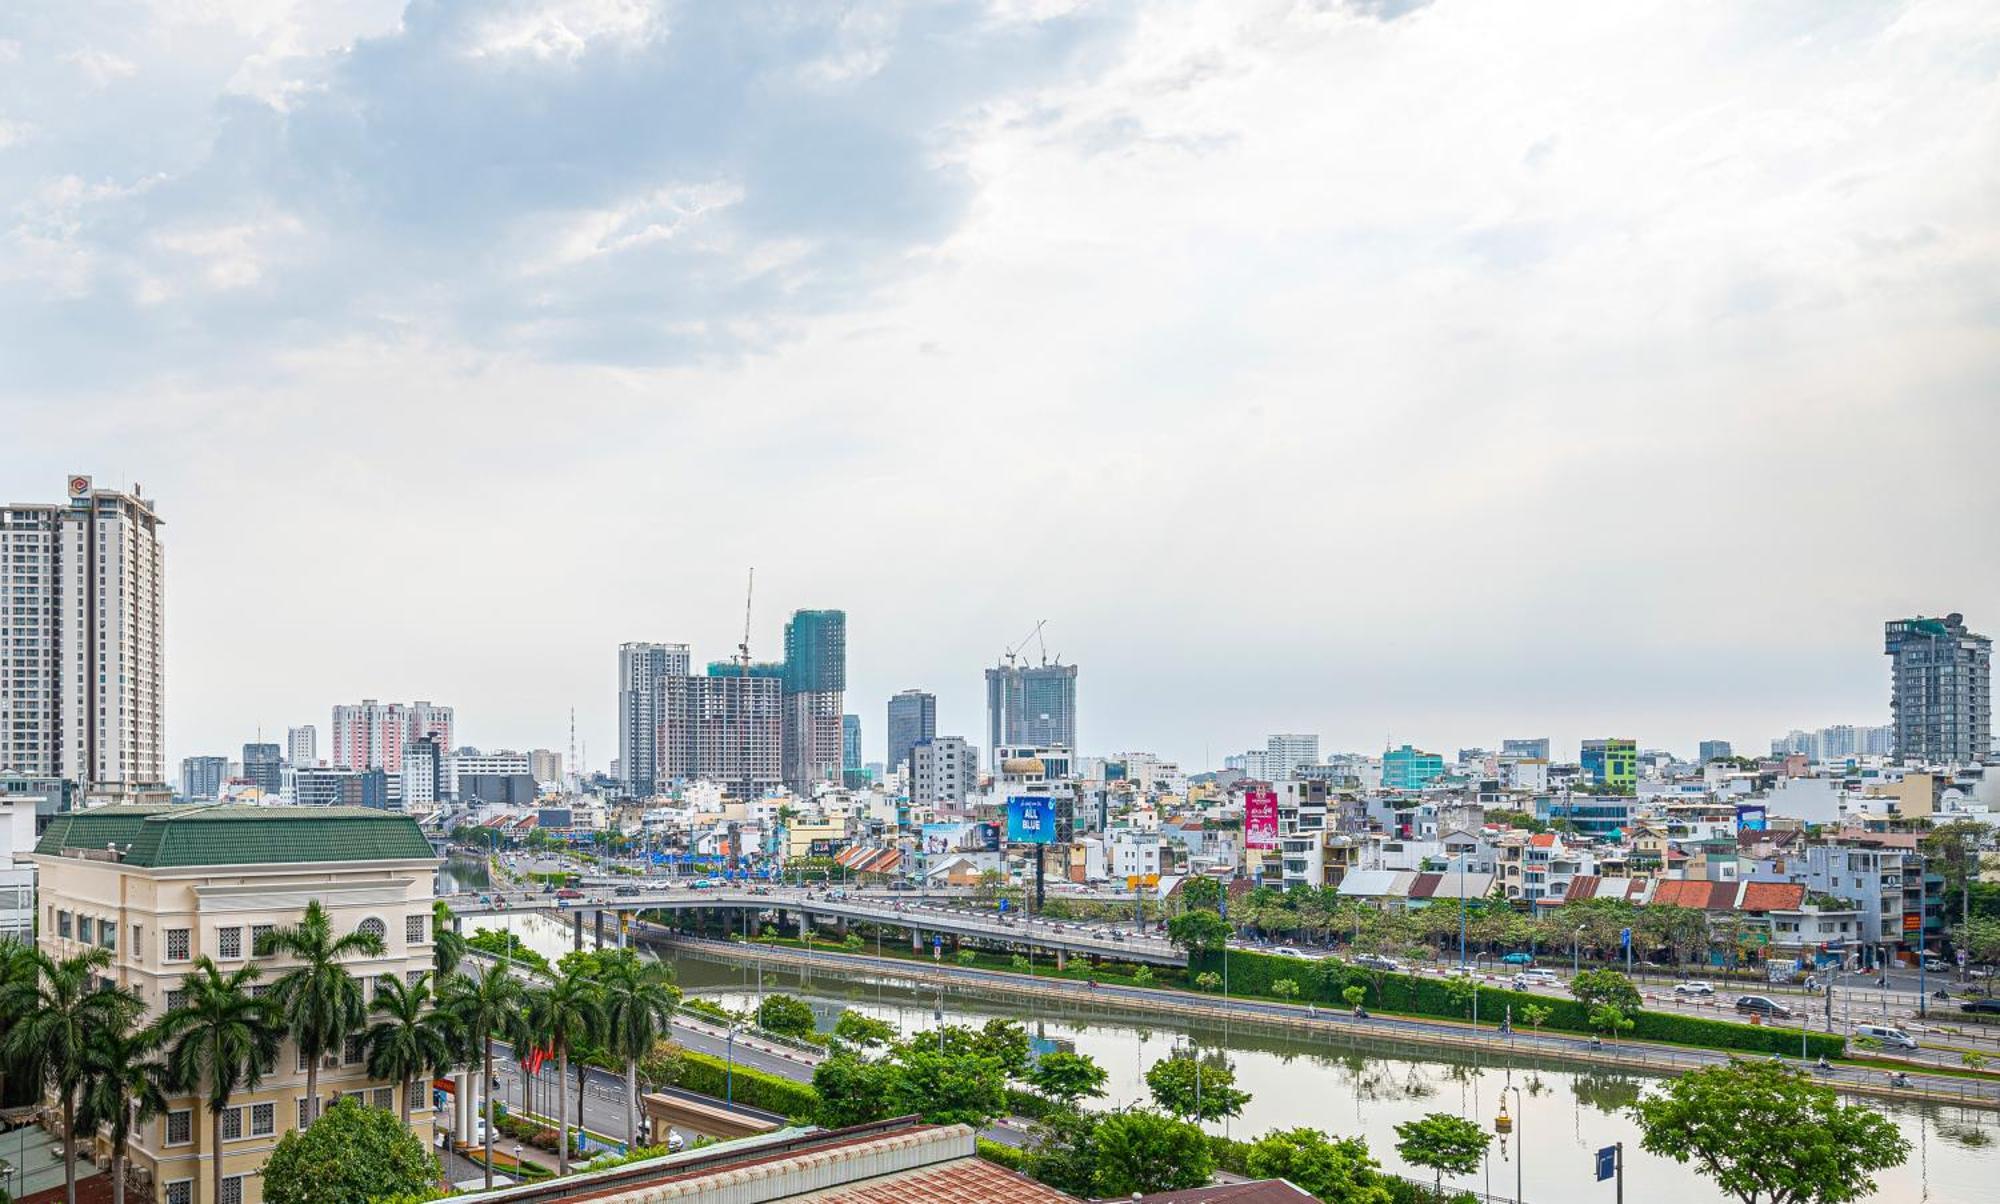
[[1012, 655]]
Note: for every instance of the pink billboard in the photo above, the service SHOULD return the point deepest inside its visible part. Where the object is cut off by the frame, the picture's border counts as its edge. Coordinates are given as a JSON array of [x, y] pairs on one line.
[[1260, 819]]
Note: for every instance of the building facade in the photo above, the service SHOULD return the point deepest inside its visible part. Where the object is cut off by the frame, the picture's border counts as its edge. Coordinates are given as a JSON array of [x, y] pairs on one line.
[[158, 887], [1715, 750], [1286, 753], [302, 745], [1409, 768], [850, 744], [201, 777], [372, 735], [815, 697], [264, 765], [1536, 749], [912, 717], [82, 641], [546, 764], [1031, 704], [1941, 692], [643, 672], [1612, 762], [942, 770]]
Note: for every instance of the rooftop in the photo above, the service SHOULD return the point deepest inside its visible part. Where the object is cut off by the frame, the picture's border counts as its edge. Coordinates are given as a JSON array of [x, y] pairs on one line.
[[160, 837]]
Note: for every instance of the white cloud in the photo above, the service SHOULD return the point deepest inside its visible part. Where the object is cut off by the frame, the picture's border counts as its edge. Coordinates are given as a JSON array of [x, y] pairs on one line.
[[101, 67]]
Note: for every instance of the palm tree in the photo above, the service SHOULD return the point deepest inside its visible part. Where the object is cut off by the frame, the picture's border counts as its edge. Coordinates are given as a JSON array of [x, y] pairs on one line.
[[411, 1040], [58, 1009], [320, 1001], [484, 1008], [123, 1086], [639, 999], [447, 943], [564, 1016], [220, 1039]]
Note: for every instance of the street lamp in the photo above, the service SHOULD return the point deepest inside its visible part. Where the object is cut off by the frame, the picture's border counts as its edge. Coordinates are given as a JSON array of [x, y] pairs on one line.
[[729, 1071], [1503, 1124]]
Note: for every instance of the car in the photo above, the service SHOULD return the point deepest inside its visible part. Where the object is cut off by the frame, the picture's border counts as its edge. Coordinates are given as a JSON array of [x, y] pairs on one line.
[[1888, 1034], [1761, 1005], [1286, 951], [1936, 965], [1537, 978], [569, 892], [628, 890], [899, 884], [705, 884], [1375, 961], [1987, 1007], [1693, 989], [1518, 959]]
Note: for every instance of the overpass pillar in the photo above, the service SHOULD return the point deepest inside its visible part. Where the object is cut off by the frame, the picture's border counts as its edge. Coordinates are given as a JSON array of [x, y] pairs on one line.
[[597, 927], [576, 931], [916, 940], [805, 923], [1062, 960]]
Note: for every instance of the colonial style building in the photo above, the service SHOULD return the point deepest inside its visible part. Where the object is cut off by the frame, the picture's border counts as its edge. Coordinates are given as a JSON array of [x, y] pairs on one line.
[[160, 887]]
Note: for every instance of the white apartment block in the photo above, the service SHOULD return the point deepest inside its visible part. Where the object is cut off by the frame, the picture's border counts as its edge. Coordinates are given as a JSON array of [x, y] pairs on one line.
[[82, 655], [1287, 752], [302, 745], [159, 887], [942, 769]]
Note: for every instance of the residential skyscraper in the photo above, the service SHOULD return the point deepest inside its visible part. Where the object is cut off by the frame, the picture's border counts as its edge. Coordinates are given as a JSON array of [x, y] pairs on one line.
[[734, 733], [1941, 694], [912, 717], [372, 735], [942, 769], [201, 777], [545, 764], [1030, 704], [1285, 753], [302, 745], [1715, 750], [264, 765], [82, 645], [815, 697], [641, 670]]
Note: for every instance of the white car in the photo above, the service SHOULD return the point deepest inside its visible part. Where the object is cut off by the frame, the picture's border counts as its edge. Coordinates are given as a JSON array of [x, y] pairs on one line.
[[1286, 951], [1693, 989]]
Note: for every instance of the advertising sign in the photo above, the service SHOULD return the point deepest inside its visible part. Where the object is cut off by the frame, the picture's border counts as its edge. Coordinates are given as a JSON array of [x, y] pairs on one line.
[[941, 839], [1031, 819], [1260, 819], [1752, 817]]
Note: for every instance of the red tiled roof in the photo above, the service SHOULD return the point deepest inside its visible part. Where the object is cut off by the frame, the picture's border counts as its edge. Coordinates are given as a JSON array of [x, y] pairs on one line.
[[1674, 892], [967, 1181], [1581, 887], [1260, 1191], [1543, 840], [1772, 896], [1424, 886]]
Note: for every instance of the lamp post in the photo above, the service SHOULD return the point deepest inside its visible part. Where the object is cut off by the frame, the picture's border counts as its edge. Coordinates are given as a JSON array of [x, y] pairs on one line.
[[729, 1071], [1502, 1124]]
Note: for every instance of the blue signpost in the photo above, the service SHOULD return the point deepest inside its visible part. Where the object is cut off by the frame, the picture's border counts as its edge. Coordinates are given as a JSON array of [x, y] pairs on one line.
[[1611, 1165]]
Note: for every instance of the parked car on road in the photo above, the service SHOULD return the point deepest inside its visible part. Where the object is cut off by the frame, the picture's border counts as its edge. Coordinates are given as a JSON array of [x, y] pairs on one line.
[[1375, 961], [1286, 951], [1693, 989], [1761, 1005], [1519, 959], [1989, 1007], [1937, 965], [1536, 978], [1889, 1035]]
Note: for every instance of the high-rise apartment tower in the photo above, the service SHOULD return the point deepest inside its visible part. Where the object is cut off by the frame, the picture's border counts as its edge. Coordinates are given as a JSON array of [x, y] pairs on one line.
[[1941, 695], [912, 717]]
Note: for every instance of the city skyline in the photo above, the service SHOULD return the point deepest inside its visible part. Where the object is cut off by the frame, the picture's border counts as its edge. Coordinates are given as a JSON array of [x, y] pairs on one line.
[[1566, 406]]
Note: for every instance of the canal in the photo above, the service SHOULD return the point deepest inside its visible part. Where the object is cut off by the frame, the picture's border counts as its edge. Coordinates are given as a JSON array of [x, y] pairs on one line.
[[1366, 1089]]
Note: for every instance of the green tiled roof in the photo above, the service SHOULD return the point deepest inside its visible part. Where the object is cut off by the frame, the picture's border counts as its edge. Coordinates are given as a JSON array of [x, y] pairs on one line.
[[231, 834]]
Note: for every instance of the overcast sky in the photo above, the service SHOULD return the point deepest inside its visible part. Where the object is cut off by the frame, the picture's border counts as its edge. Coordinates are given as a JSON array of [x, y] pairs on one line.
[[1424, 372]]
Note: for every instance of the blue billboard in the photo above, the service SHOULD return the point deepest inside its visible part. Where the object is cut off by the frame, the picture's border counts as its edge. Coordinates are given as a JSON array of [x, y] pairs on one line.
[[1031, 820]]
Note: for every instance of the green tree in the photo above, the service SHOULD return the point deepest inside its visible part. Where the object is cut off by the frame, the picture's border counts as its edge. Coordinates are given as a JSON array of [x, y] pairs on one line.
[[350, 1155], [564, 1017], [1143, 976], [509, 945], [1198, 932], [1354, 995], [1339, 1170], [853, 1090], [411, 1040], [948, 1088], [1196, 1088], [1610, 1019], [1199, 892], [1006, 1042], [1594, 988], [865, 1031], [221, 1038], [639, 999], [320, 1001], [785, 1015], [966, 957], [447, 944], [1063, 1153], [1208, 980], [1067, 1077], [122, 1087], [1442, 1143], [1954, 850], [1768, 1135], [483, 1009], [56, 1007], [1141, 1151], [1537, 1014], [1980, 938]]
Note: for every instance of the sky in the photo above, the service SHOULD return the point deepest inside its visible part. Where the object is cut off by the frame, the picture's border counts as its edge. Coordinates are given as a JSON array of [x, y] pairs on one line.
[[1396, 371]]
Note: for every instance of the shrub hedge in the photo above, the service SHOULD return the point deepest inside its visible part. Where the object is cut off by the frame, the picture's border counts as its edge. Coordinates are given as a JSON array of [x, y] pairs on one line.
[[708, 1074], [1253, 974], [1001, 1155]]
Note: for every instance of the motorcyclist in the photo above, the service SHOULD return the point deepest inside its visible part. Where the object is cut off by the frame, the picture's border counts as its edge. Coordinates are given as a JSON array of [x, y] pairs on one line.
[[1899, 1079]]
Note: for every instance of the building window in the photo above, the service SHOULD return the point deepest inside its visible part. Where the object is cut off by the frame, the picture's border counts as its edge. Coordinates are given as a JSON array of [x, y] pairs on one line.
[[232, 1190], [383, 1098], [180, 1127], [413, 929], [229, 943], [180, 1191], [138, 941], [232, 1124], [63, 928], [412, 977], [263, 1120], [85, 930], [177, 944], [176, 999], [350, 1051], [107, 935], [304, 1100], [257, 934], [373, 927]]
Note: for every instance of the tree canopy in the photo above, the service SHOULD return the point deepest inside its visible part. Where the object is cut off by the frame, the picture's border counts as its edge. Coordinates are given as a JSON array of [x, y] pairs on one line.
[[1442, 1143], [1768, 1135], [1142, 1151], [1339, 1170], [1596, 988], [1196, 1088], [351, 1155]]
